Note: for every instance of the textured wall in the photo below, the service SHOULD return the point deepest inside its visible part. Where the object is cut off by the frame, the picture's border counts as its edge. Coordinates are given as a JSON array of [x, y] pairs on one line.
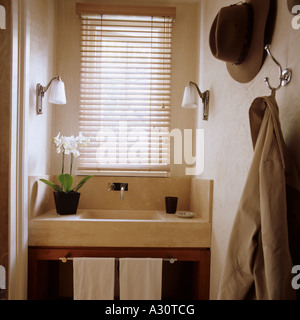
[[5, 76], [40, 36], [228, 145]]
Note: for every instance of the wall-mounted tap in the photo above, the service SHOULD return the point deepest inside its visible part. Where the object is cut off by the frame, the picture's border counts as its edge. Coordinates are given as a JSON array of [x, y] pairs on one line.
[[111, 187], [123, 186], [117, 186]]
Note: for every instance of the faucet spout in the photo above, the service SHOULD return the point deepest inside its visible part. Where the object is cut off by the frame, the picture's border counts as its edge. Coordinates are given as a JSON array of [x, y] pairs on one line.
[[122, 191], [117, 186]]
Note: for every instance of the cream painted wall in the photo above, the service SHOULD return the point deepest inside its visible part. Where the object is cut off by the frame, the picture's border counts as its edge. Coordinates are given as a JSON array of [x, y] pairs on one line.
[[41, 70], [184, 64], [228, 145]]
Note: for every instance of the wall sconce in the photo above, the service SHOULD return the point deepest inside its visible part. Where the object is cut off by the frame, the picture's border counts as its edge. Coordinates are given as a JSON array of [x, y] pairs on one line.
[[57, 93], [190, 98]]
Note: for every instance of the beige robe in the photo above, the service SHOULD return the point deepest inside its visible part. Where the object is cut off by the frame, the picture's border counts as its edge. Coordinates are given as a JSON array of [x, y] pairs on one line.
[[258, 261]]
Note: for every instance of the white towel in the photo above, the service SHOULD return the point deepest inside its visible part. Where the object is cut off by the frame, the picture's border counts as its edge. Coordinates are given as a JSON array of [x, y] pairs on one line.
[[2, 278], [94, 278], [140, 279]]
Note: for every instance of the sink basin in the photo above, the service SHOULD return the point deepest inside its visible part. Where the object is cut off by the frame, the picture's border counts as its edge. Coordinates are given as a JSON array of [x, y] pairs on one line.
[[120, 215]]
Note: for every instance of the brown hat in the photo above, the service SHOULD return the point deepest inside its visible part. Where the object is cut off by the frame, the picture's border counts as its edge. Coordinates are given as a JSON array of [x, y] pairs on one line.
[[237, 37]]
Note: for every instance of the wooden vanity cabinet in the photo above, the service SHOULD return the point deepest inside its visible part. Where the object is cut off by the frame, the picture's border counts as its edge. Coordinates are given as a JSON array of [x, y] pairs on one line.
[[43, 268]]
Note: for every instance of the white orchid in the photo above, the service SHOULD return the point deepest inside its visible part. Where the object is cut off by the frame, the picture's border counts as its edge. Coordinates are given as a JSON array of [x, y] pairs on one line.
[[68, 145], [58, 143], [82, 140]]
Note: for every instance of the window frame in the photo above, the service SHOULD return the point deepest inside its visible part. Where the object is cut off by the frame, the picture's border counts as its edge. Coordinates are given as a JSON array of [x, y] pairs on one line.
[[81, 9]]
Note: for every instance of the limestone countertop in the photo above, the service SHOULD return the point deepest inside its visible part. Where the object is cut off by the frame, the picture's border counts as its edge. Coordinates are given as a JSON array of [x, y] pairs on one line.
[[51, 229]]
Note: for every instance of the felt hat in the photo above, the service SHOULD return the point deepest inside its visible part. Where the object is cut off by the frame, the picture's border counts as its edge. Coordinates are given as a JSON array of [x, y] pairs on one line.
[[237, 37]]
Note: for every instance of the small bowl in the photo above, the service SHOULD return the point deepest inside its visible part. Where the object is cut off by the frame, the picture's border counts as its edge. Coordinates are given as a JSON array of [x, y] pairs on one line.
[[185, 214]]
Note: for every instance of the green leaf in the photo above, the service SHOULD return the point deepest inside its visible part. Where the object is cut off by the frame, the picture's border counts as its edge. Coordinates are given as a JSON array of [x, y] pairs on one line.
[[66, 180], [81, 183], [51, 184]]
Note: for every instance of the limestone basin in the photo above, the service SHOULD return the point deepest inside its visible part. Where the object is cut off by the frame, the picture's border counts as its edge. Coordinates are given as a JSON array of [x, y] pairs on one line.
[[128, 215], [118, 228]]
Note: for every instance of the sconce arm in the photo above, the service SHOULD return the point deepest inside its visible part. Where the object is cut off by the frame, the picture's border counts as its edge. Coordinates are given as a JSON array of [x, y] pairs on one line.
[[42, 89], [205, 100], [199, 92]]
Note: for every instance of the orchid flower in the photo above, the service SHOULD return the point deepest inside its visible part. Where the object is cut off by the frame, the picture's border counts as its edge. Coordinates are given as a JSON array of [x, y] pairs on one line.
[[68, 146], [58, 143]]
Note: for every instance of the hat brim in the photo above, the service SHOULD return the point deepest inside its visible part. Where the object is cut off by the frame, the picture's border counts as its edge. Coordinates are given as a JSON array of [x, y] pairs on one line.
[[249, 68]]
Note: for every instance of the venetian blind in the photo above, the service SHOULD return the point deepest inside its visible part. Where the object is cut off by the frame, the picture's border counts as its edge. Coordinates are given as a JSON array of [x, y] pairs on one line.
[[125, 92]]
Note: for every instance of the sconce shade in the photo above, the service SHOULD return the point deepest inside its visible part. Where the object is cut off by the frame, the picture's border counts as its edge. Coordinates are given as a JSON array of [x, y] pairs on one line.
[[57, 92], [190, 97]]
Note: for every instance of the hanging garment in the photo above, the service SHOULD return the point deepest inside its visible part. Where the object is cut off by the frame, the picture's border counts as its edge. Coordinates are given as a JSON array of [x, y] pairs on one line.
[[258, 262]]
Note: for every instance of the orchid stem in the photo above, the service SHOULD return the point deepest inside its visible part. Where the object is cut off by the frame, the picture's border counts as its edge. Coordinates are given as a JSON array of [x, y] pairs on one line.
[[71, 166], [63, 162]]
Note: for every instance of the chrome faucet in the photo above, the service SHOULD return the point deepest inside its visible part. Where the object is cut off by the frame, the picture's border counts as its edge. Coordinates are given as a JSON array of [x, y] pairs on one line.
[[111, 187], [123, 186], [116, 186]]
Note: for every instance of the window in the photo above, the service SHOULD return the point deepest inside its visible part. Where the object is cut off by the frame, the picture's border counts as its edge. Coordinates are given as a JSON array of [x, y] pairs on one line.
[[125, 90]]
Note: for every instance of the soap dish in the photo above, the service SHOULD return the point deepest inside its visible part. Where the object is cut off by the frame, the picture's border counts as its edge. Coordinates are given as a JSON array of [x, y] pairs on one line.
[[185, 214]]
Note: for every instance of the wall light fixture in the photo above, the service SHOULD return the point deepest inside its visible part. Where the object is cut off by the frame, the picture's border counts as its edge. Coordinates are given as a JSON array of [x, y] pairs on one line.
[[57, 93], [190, 98]]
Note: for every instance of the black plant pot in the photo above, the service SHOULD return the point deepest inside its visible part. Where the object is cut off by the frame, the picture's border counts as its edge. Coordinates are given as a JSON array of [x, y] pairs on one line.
[[66, 203]]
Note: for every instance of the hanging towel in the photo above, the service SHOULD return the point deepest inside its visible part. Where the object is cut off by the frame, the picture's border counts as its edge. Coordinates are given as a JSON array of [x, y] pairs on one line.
[[258, 261], [140, 279], [94, 278], [2, 278]]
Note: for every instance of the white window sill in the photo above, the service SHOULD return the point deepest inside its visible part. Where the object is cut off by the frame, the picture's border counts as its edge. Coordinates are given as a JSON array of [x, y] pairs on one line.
[[107, 173]]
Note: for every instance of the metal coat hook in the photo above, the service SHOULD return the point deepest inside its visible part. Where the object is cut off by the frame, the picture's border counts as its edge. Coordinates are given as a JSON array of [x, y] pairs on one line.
[[285, 76]]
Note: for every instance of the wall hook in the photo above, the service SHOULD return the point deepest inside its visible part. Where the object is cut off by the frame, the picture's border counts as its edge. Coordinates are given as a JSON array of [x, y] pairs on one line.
[[284, 76]]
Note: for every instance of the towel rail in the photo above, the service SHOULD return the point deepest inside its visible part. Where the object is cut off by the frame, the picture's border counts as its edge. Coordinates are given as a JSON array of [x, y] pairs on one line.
[[65, 259]]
